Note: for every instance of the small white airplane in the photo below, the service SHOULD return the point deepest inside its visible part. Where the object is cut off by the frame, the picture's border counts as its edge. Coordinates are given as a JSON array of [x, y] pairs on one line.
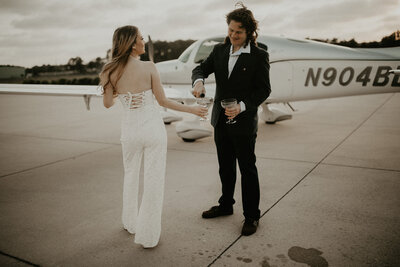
[[300, 70]]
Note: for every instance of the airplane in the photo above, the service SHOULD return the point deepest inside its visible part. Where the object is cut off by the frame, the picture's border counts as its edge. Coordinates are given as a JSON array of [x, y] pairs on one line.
[[299, 70]]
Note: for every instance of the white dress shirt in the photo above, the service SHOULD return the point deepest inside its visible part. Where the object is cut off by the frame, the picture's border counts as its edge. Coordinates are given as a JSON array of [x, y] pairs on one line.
[[233, 57]]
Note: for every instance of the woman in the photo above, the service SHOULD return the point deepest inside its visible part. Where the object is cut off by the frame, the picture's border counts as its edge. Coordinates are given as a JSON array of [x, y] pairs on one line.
[[143, 134]]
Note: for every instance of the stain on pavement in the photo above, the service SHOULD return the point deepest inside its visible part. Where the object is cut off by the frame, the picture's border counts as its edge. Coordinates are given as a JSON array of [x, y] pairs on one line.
[[310, 256]]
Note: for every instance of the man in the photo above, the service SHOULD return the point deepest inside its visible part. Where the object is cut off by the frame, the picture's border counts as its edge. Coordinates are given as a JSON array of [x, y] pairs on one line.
[[242, 72]]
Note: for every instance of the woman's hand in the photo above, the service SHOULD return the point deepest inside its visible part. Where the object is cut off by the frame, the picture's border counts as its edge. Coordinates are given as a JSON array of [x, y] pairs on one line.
[[199, 111]]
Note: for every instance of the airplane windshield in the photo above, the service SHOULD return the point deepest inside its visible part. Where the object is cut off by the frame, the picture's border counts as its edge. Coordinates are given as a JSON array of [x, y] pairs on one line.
[[184, 57], [205, 49]]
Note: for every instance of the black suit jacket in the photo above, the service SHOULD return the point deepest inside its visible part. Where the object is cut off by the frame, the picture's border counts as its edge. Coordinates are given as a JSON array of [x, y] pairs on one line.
[[248, 82]]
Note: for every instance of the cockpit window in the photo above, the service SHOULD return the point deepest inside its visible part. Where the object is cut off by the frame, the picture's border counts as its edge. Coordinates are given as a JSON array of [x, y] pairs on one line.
[[205, 49], [184, 57]]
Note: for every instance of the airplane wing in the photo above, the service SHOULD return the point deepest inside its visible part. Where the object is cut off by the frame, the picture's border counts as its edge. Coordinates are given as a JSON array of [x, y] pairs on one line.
[[188, 131], [179, 94], [86, 91], [51, 89], [182, 92]]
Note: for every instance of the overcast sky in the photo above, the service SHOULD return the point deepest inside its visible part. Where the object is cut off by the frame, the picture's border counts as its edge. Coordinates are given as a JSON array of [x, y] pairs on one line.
[[36, 32]]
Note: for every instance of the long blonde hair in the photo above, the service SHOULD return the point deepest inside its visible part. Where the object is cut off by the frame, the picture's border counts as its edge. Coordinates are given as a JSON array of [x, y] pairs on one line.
[[124, 39]]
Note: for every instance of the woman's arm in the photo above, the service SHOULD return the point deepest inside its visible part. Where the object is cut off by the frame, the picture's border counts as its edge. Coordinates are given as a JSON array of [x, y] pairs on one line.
[[108, 94], [159, 93], [108, 98]]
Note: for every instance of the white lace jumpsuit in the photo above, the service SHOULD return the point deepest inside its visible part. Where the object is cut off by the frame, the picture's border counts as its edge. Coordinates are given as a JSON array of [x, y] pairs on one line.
[[143, 135]]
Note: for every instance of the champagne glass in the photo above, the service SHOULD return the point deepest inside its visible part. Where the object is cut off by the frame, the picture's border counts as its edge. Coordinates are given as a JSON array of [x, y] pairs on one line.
[[229, 103], [204, 102]]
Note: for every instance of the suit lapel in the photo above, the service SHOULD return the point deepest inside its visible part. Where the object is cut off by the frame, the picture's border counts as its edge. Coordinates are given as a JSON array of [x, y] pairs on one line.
[[225, 60]]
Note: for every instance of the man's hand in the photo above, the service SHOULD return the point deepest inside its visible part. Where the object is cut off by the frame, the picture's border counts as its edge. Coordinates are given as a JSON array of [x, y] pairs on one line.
[[232, 112], [199, 90]]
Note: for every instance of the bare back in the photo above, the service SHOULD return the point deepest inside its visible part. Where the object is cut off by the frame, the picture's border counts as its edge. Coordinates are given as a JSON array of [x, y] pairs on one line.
[[136, 77], [140, 76]]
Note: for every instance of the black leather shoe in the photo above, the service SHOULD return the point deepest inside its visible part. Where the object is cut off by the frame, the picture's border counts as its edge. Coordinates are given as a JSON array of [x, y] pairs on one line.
[[216, 211], [249, 227]]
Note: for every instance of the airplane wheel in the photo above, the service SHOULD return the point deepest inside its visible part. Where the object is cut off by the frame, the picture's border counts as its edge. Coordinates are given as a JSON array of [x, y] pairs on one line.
[[188, 140], [167, 123]]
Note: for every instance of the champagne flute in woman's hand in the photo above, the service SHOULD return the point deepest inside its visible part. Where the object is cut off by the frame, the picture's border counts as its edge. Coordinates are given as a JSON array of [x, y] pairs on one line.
[[204, 102]]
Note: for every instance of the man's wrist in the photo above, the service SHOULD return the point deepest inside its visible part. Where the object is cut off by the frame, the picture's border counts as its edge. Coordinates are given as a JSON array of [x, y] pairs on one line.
[[198, 80]]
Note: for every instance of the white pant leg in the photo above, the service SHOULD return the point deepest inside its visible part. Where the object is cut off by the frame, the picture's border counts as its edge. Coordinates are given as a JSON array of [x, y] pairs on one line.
[[149, 218], [132, 153]]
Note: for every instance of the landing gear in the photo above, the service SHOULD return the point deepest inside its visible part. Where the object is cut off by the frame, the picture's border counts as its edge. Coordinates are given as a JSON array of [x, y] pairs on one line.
[[169, 117], [271, 114], [190, 131]]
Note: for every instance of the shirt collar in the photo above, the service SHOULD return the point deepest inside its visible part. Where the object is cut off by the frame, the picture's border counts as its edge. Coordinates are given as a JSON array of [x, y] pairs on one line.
[[240, 51]]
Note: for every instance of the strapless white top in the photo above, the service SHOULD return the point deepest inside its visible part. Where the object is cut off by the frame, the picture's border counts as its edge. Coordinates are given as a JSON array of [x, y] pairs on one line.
[[141, 116]]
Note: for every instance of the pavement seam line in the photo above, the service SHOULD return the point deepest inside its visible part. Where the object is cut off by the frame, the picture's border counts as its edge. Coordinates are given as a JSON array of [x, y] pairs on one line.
[[312, 169], [360, 167], [18, 259], [327, 155], [53, 162], [61, 139], [354, 130], [330, 152], [219, 256]]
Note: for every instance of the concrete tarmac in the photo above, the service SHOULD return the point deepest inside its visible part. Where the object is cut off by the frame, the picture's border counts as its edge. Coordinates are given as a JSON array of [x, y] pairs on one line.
[[330, 189]]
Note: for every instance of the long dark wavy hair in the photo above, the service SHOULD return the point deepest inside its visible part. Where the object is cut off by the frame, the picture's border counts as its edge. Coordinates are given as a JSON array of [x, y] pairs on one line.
[[246, 18], [124, 39]]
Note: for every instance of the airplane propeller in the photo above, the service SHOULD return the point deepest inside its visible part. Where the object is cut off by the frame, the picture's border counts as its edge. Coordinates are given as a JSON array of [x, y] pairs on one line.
[[151, 49]]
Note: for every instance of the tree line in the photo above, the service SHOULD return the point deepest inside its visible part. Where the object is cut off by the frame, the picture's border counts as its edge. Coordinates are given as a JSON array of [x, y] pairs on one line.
[[74, 65], [163, 51], [392, 40], [74, 81]]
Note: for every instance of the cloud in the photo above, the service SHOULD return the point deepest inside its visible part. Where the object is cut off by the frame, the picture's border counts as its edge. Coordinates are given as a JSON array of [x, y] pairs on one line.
[[66, 14], [346, 19], [21, 7], [40, 32], [344, 12], [58, 21]]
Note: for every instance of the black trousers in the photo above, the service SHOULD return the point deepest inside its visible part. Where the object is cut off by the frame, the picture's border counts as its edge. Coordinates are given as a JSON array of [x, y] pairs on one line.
[[232, 146]]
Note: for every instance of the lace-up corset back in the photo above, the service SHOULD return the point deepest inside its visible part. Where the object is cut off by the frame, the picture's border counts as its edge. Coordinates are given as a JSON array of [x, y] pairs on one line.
[[140, 116], [132, 101]]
